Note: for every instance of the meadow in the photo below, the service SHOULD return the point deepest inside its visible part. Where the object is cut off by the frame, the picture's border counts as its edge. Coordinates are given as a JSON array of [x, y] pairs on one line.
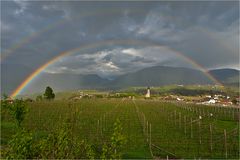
[[153, 129]]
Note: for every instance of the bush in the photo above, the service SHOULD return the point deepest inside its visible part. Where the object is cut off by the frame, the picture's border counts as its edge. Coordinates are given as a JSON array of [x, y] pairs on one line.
[[5, 106], [57, 145], [18, 110], [113, 150], [21, 146], [39, 98], [60, 144]]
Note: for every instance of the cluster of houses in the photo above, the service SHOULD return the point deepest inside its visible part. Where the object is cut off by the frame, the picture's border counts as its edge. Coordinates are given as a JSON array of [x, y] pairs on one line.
[[81, 95], [207, 99], [219, 99]]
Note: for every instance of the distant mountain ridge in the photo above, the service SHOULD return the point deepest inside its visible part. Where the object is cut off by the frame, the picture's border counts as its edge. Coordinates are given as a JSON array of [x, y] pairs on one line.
[[161, 75], [226, 76], [152, 76], [67, 81]]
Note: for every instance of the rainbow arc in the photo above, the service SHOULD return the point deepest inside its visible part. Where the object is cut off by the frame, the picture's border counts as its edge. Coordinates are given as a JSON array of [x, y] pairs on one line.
[[39, 70]]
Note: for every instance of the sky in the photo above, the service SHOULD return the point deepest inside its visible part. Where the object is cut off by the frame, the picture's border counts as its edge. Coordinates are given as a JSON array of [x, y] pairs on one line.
[[34, 32]]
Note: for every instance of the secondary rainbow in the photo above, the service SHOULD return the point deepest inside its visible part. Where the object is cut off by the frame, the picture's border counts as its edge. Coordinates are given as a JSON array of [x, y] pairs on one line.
[[38, 71], [61, 22], [34, 35]]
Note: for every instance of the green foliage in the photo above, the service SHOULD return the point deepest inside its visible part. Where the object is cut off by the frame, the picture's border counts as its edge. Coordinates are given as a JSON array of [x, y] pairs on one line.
[[186, 90], [21, 146], [113, 150], [87, 139], [28, 100], [234, 101], [4, 96], [105, 153], [49, 95], [62, 145], [39, 98], [18, 110], [5, 105], [57, 145], [117, 139], [99, 96], [4, 102]]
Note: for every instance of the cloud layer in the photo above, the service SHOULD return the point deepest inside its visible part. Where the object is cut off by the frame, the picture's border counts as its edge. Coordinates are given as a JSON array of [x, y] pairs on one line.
[[33, 32]]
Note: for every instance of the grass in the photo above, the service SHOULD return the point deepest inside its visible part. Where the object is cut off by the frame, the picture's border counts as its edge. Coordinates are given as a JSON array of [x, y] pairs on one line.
[[175, 136], [93, 119]]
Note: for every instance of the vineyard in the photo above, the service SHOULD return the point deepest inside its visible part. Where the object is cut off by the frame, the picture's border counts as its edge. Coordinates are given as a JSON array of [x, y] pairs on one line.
[[153, 129]]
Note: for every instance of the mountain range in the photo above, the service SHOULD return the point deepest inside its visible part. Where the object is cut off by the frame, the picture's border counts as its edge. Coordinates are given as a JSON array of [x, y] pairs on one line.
[[152, 76], [226, 76]]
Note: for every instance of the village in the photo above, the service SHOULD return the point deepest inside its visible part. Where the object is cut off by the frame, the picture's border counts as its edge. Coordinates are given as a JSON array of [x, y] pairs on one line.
[[207, 99], [148, 93]]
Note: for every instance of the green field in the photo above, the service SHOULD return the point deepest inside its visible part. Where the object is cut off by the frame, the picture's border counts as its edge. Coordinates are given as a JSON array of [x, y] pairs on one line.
[[153, 129]]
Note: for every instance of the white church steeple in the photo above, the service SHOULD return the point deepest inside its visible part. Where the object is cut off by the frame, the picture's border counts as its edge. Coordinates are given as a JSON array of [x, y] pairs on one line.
[[148, 93]]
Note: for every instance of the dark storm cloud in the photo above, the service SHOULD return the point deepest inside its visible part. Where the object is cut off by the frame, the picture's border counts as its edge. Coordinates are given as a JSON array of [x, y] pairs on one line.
[[207, 32], [142, 59]]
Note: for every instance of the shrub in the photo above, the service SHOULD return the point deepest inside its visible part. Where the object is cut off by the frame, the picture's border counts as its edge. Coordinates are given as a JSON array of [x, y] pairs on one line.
[[5, 105], [113, 150], [39, 98], [21, 146], [18, 110], [61, 144]]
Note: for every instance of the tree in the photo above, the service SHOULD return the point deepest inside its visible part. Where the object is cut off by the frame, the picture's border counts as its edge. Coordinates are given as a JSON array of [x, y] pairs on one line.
[[49, 95]]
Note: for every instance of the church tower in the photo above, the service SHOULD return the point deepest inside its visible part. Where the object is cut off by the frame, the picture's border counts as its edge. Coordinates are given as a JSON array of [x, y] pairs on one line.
[[148, 93]]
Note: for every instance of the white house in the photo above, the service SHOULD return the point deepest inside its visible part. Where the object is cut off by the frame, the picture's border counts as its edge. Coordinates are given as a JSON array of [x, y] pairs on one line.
[[212, 101]]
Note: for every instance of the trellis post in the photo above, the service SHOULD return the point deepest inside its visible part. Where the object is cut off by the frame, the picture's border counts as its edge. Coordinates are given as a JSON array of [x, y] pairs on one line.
[[179, 119], [147, 131], [191, 129], [225, 142], [175, 117], [185, 129], [199, 131], [211, 146]]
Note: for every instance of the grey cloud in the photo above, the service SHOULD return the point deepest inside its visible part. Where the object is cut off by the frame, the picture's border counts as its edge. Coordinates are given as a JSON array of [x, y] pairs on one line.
[[142, 60], [211, 48], [114, 61], [207, 32]]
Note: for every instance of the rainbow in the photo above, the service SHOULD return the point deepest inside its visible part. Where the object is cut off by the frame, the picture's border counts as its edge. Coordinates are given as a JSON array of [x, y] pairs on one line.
[[39, 70]]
